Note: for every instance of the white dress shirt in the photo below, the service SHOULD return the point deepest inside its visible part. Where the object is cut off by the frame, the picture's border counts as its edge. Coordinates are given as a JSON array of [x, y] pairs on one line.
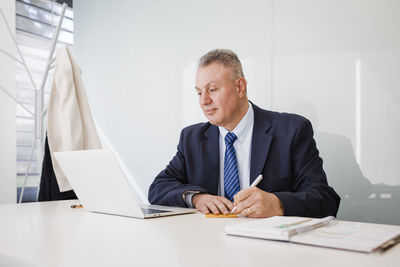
[[242, 145]]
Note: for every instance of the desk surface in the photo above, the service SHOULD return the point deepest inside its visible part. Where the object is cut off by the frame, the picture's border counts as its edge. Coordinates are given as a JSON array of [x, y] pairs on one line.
[[53, 234]]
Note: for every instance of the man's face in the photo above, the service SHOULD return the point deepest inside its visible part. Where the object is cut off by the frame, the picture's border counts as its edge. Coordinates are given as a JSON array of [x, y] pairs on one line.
[[220, 96]]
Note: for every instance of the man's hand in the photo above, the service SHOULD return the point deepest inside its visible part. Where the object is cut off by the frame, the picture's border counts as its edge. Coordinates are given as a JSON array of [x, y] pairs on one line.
[[253, 202], [207, 203]]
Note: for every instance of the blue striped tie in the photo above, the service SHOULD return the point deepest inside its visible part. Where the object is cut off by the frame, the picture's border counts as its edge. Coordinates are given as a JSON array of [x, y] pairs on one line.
[[231, 174]]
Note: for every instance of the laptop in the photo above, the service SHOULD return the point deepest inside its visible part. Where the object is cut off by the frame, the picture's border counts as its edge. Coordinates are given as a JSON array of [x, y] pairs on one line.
[[101, 186]]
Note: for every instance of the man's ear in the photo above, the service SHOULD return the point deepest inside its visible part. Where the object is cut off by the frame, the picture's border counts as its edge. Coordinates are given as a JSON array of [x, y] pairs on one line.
[[241, 86]]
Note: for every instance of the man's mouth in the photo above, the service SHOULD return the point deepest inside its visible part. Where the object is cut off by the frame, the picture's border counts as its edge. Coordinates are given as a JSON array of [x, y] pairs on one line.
[[210, 111]]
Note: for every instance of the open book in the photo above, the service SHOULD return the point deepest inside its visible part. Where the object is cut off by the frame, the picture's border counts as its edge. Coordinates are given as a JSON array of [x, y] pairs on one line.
[[325, 232]]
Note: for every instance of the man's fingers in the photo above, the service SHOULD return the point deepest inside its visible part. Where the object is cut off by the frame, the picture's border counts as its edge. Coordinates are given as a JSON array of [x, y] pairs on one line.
[[240, 207], [223, 208], [248, 212], [212, 207], [214, 204], [203, 209], [242, 195], [227, 203]]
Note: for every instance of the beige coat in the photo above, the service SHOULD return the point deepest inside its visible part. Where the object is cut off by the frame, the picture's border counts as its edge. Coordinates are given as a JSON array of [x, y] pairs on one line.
[[70, 125]]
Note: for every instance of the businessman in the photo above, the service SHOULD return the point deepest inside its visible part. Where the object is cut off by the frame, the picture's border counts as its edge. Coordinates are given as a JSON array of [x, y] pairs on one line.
[[217, 161]]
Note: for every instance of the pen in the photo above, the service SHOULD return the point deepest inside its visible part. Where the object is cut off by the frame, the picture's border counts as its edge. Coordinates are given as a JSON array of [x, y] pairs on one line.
[[255, 183]]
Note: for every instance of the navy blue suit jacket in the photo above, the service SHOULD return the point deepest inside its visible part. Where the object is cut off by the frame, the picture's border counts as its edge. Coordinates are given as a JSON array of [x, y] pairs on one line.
[[283, 151]]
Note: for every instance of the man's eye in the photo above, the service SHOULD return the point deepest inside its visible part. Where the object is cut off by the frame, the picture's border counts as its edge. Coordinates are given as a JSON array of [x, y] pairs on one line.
[[213, 89], [198, 93]]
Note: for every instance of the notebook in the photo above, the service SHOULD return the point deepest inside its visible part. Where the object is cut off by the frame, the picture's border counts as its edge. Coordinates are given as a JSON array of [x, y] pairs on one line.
[[325, 232], [101, 186]]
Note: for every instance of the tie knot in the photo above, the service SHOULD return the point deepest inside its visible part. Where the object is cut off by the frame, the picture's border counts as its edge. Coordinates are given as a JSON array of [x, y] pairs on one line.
[[230, 138]]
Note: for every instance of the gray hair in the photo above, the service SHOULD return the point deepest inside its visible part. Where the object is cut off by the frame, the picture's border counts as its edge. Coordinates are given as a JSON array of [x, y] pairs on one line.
[[225, 57]]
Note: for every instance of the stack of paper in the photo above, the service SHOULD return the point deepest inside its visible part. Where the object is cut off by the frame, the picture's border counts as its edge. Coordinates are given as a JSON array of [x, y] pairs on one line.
[[325, 232]]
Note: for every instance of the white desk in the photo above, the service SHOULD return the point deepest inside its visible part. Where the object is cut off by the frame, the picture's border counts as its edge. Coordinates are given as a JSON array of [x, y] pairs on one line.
[[53, 234]]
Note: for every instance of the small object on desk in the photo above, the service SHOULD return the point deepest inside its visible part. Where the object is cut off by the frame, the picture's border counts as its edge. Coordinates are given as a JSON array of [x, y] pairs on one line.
[[255, 183], [77, 206], [210, 215]]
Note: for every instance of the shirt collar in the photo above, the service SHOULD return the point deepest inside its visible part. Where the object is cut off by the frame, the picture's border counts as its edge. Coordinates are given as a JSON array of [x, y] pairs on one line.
[[243, 127]]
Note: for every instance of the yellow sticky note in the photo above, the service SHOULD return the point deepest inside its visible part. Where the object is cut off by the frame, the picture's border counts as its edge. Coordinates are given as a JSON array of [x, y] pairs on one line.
[[210, 215]]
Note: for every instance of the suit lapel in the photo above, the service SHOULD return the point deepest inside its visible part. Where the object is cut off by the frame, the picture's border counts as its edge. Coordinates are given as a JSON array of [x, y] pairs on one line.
[[261, 143], [210, 150]]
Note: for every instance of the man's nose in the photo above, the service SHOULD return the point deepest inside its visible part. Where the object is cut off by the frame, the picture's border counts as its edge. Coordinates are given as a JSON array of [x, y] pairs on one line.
[[205, 99]]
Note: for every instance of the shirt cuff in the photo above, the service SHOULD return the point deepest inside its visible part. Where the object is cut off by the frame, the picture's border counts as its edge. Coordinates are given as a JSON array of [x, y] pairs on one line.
[[188, 195]]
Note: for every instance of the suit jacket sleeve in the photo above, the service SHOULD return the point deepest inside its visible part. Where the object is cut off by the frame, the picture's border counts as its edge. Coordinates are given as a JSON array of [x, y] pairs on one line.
[[169, 186], [310, 195]]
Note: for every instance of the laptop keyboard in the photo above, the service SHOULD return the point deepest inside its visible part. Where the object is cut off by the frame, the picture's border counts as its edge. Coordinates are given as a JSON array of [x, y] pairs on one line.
[[152, 211]]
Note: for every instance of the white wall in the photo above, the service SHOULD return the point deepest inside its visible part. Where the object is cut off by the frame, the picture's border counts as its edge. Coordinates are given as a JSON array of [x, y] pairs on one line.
[[336, 62], [8, 188], [146, 53]]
